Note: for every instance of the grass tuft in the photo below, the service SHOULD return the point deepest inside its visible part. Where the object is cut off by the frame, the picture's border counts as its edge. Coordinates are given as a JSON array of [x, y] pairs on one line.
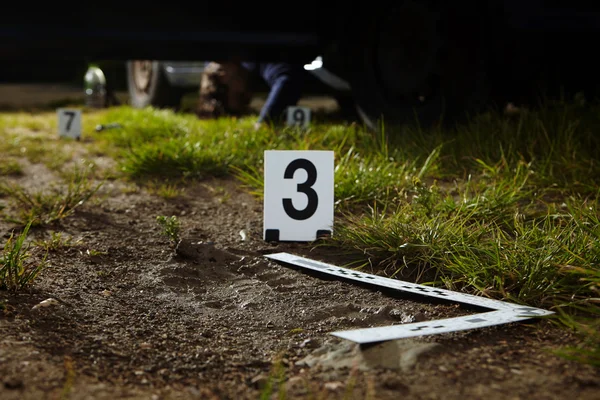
[[42, 207], [503, 206], [16, 272], [171, 228]]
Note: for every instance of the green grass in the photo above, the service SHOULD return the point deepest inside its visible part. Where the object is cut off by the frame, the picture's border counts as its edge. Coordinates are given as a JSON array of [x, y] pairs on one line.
[[10, 167], [56, 242], [275, 381], [16, 269], [170, 227], [46, 205], [165, 190], [502, 207]]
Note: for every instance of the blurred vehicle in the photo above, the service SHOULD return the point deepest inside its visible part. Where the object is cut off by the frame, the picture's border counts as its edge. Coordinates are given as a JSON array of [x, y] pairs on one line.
[[403, 59], [163, 83]]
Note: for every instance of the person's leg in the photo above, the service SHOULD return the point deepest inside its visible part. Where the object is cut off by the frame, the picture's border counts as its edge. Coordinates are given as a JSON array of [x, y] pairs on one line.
[[284, 92], [250, 66], [285, 81]]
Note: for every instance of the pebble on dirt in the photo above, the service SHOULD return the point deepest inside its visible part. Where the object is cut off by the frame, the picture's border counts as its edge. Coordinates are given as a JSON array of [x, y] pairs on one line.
[[46, 303]]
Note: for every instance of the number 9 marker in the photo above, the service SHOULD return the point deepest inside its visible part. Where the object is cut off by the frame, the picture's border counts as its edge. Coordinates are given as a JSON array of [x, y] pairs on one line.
[[298, 116]]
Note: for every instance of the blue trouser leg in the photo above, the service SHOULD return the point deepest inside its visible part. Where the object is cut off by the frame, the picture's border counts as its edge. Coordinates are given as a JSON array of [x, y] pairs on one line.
[[285, 92]]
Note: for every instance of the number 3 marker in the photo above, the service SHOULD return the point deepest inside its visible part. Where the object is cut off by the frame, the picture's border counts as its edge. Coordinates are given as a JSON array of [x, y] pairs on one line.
[[298, 195]]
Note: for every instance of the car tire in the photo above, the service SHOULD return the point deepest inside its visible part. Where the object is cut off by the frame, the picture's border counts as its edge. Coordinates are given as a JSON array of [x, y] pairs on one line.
[[148, 86], [419, 62]]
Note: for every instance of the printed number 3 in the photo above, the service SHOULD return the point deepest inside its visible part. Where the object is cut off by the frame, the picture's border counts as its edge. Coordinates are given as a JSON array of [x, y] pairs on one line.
[[305, 187], [71, 115]]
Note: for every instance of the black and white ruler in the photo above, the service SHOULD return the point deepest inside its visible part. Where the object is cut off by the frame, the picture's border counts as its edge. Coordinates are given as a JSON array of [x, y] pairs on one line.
[[500, 312]]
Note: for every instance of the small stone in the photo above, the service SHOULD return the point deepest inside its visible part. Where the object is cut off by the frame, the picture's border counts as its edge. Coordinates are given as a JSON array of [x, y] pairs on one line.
[[46, 303], [395, 313], [373, 310], [105, 293], [395, 354], [400, 315], [260, 381], [145, 345], [309, 343], [249, 304], [333, 386]]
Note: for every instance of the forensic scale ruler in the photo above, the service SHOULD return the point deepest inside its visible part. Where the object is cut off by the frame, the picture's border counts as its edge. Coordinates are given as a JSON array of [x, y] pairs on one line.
[[501, 312]]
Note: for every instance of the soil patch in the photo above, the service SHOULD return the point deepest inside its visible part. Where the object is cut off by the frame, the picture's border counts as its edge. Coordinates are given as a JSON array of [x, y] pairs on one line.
[[217, 320]]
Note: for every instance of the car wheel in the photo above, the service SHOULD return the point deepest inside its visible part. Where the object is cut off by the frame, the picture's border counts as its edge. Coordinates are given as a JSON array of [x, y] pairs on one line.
[[148, 85], [418, 61]]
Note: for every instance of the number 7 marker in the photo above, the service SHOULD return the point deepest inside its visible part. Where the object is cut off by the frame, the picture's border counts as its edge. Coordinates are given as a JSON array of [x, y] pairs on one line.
[[69, 122], [298, 195]]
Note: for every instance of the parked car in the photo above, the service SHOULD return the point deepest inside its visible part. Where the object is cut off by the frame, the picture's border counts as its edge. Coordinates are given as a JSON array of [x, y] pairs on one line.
[[163, 83]]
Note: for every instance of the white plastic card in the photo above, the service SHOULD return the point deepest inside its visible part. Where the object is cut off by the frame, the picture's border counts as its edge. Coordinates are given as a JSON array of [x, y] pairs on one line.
[[69, 122], [298, 194], [298, 116]]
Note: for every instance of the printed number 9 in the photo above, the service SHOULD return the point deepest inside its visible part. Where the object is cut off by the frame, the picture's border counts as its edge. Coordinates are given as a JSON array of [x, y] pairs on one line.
[[298, 116], [305, 187]]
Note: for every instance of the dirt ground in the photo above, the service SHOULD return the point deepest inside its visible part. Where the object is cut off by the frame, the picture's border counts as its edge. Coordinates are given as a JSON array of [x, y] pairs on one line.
[[217, 320]]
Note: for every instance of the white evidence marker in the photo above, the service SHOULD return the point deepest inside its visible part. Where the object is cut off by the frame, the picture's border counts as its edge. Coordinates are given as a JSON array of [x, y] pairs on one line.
[[501, 312], [298, 195], [298, 116], [69, 122]]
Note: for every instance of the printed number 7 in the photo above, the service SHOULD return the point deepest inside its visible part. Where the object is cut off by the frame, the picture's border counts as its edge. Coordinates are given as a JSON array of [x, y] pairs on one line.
[[71, 115], [305, 187]]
